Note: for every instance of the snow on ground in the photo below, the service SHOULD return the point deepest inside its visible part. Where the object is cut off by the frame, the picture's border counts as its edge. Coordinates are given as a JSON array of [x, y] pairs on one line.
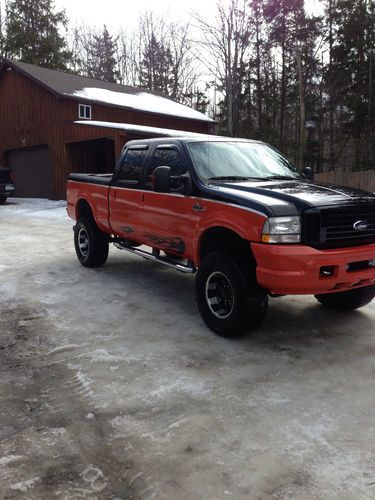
[[33, 207], [112, 387]]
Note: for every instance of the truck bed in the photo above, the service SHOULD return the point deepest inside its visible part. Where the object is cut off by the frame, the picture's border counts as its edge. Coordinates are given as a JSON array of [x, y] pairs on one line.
[[102, 179]]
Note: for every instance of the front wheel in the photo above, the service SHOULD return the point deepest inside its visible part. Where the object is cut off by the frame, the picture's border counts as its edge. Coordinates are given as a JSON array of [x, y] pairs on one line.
[[90, 243], [231, 303], [348, 300], [3, 199]]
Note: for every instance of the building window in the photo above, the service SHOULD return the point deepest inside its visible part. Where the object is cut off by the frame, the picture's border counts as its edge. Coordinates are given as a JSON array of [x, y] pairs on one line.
[[84, 111]]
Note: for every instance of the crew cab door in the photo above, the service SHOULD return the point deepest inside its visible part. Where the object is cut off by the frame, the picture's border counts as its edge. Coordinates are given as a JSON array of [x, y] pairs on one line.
[[168, 218], [126, 195]]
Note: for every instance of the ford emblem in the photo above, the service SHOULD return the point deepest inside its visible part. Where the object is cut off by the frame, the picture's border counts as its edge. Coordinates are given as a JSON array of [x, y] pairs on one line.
[[361, 225]]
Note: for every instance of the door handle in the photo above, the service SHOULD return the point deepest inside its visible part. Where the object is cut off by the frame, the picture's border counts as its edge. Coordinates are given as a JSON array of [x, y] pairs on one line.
[[198, 208]]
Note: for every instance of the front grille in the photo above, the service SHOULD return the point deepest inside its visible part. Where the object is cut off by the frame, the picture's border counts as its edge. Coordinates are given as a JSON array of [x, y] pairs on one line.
[[333, 227]]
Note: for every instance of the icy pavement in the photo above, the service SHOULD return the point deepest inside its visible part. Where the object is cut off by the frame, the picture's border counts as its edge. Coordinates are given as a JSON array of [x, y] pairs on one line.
[[112, 388]]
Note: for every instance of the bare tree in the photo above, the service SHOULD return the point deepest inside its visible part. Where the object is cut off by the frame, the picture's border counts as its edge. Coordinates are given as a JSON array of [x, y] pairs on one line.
[[129, 57], [167, 62], [79, 40], [156, 59], [227, 40], [2, 31], [301, 94]]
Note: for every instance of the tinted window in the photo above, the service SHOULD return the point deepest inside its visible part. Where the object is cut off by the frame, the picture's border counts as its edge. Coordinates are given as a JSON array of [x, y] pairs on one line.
[[168, 157], [131, 167]]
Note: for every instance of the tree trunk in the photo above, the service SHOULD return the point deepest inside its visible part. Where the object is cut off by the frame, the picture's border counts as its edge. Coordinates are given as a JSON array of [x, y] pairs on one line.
[[283, 90], [302, 117], [331, 90], [259, 82]]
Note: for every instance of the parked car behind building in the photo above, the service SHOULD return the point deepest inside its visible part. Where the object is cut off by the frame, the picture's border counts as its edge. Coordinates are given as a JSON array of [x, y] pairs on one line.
[[6, 184]]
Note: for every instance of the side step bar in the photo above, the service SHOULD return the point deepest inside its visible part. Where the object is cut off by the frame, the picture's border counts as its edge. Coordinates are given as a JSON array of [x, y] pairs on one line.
[[155, 256]]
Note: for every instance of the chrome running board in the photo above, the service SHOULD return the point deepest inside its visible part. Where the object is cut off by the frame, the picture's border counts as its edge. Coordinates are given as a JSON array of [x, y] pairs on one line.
[[155, 256]]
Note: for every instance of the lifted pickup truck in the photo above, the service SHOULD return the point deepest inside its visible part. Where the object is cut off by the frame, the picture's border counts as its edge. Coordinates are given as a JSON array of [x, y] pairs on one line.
[[240, 215], [6, 184]]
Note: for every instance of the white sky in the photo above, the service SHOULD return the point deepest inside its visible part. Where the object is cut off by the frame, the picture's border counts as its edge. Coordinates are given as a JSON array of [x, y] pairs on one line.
[[125, 13], [117, 13]]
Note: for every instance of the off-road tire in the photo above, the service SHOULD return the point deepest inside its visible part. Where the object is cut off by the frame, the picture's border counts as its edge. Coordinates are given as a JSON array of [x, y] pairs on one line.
[[90, 243], [3, 199], [241, 303], [348, 300]]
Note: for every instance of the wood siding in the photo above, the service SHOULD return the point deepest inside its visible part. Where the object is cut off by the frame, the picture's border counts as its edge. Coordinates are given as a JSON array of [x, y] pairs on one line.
[[32, 116], [362, 180]]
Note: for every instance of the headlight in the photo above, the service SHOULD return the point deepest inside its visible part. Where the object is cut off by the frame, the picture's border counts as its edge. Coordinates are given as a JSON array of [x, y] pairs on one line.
[[282, 230]]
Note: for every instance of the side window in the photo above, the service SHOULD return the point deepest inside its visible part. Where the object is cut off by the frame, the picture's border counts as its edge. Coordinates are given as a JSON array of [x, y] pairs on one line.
[[131, 167], [169, 157]]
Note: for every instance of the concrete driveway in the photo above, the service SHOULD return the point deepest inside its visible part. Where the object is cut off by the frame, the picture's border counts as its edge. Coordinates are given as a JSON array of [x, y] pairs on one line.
[[111, 387]]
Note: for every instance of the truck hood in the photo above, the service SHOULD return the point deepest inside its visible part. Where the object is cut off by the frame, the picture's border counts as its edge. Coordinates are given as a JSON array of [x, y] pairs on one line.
[[288, 197]]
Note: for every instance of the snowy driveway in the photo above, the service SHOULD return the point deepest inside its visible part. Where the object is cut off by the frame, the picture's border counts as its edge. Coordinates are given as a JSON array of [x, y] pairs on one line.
[[112, 388]]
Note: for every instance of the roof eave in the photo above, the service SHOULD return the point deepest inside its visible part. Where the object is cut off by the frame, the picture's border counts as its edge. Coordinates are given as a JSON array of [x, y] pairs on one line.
[[27, 75]]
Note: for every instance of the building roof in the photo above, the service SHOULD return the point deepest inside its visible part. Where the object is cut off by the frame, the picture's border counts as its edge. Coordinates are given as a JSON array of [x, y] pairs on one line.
[[83, 88]]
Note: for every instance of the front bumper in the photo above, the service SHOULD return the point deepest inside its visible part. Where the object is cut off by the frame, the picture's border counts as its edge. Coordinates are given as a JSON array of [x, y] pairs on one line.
[[297, 269]]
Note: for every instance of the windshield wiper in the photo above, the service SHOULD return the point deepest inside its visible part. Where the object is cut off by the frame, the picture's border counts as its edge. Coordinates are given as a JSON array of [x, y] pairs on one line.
[[232, 178], [280, 178]]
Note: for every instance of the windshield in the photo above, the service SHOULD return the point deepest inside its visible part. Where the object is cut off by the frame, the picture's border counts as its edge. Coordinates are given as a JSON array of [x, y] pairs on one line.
[[236, 161]]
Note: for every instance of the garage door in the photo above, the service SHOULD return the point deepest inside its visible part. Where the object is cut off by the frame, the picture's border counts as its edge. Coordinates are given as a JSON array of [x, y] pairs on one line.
[[32, 168]]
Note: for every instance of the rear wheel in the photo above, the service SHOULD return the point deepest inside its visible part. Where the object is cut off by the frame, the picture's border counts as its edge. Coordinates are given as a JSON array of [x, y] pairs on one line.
[[231, 303], [348, 300], [90, 243], [3, 199]]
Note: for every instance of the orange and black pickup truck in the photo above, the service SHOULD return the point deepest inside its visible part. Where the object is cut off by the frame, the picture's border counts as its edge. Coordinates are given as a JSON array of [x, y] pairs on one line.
[[237, 213]]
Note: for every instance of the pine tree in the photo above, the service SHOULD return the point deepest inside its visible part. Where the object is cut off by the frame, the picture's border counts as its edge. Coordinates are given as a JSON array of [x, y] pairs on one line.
[[101, 60], [33, 33], [197, 99], [256, 61], [349, 72], [156, 66], [283, 16]]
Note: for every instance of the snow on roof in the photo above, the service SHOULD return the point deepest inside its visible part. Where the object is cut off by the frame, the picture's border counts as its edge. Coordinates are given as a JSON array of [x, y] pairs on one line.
[[129, 127], [82, 87], [141, 101]]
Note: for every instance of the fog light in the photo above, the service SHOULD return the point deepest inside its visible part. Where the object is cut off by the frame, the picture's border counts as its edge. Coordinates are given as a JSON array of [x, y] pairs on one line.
[[327, 271], [371, 263]]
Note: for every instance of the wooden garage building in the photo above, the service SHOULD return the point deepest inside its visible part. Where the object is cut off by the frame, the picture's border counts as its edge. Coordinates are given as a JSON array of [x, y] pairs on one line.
[[40, 141]]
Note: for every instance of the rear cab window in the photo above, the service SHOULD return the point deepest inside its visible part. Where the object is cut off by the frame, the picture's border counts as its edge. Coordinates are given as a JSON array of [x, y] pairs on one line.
[[131, 168]]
